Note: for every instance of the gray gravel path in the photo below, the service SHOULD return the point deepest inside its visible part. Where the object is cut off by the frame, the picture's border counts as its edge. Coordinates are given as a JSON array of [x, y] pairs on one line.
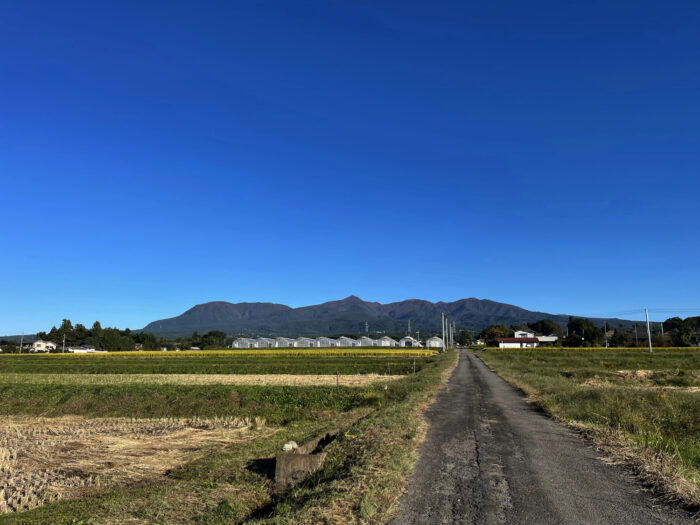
[[492, 458]]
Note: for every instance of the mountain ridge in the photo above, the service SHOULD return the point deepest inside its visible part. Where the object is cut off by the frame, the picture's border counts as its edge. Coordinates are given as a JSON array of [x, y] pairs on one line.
[[347, 315]]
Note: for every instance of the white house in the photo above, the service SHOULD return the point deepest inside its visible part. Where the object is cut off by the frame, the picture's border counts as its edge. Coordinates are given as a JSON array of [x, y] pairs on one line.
[[518, 342], [434, 342], [42, 346], [387, 341], [524, 333], [365, 341], [409, 341], [346, 342]]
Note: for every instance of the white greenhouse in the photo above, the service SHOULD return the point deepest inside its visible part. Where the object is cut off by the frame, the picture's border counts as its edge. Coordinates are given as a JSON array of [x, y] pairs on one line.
[[409, 341], [244, 342], [365, 341], [346, 342], [434, 342], [304, 342]]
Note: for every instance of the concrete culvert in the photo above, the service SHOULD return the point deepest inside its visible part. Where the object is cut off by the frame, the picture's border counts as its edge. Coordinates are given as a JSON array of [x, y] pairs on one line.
[[295, 463]]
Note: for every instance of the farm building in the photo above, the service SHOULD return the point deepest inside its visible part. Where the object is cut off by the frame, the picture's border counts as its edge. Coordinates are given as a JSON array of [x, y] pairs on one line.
[[346, 342], [265, 342], [518, 342], [326, 342], [548, 338], [284, 342], [386, 341], [304, 342], [365, 341], [42, 346], [410, 342], [244, 342], [523, 333], [434, 342]]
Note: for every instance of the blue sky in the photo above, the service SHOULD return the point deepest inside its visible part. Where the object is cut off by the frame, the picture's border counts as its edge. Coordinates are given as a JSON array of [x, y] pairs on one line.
[[156, 155]]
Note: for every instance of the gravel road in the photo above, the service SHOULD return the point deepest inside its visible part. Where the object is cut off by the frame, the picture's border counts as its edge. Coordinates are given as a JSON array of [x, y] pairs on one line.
[[492, 458]]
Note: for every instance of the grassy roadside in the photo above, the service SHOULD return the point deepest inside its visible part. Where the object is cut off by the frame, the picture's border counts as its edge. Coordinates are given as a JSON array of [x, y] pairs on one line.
[[361, 482], [370, 463], [642, 409]]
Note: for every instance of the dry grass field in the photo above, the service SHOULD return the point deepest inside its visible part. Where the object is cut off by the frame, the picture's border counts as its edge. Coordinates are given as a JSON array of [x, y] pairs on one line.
[[48, 459], [355, 380]]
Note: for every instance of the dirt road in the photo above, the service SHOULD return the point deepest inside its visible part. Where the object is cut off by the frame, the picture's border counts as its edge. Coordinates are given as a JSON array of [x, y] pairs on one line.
[[492, 458]]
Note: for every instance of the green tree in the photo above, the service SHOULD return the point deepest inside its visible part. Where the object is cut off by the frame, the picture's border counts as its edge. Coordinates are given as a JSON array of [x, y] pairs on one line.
[[582, 332], [546, 327], [149, 341], [214, 339], [9, 347], [673, 324], [464, 338], [493, 332], [621, 338]]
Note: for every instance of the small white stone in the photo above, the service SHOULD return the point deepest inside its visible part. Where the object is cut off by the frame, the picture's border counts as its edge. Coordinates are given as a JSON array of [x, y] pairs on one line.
[[290, 446]]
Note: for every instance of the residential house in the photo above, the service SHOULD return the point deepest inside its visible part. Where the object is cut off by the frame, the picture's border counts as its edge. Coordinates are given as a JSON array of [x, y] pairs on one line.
[[518, 342], [42, 346]]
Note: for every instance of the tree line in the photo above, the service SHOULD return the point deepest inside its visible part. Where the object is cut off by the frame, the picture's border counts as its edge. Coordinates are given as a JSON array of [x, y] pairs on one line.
[[114, 339], [582, 332]]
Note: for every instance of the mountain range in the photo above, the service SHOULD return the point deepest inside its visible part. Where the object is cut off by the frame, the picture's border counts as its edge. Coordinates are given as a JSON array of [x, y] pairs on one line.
[[346, 316]]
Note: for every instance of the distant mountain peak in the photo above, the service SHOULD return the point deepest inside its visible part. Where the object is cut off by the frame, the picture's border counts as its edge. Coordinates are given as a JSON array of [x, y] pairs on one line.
[[345, 316]]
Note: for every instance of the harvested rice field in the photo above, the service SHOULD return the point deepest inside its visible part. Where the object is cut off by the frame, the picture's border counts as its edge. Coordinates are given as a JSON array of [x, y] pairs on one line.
[[49, 459], [179, 437], [356, 380]]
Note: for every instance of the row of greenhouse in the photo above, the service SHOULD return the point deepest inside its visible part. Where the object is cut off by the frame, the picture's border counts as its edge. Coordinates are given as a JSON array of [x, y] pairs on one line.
[[329, 342]]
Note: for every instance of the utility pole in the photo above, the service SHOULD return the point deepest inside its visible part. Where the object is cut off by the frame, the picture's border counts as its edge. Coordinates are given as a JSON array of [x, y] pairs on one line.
[[64, 343], [636, 339], [662, 329], [605, 332], [648, 329], [442, 325], [21, 343]]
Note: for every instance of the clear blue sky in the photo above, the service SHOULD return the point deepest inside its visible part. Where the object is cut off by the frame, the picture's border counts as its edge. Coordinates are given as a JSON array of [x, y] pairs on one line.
[[156, 155]]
